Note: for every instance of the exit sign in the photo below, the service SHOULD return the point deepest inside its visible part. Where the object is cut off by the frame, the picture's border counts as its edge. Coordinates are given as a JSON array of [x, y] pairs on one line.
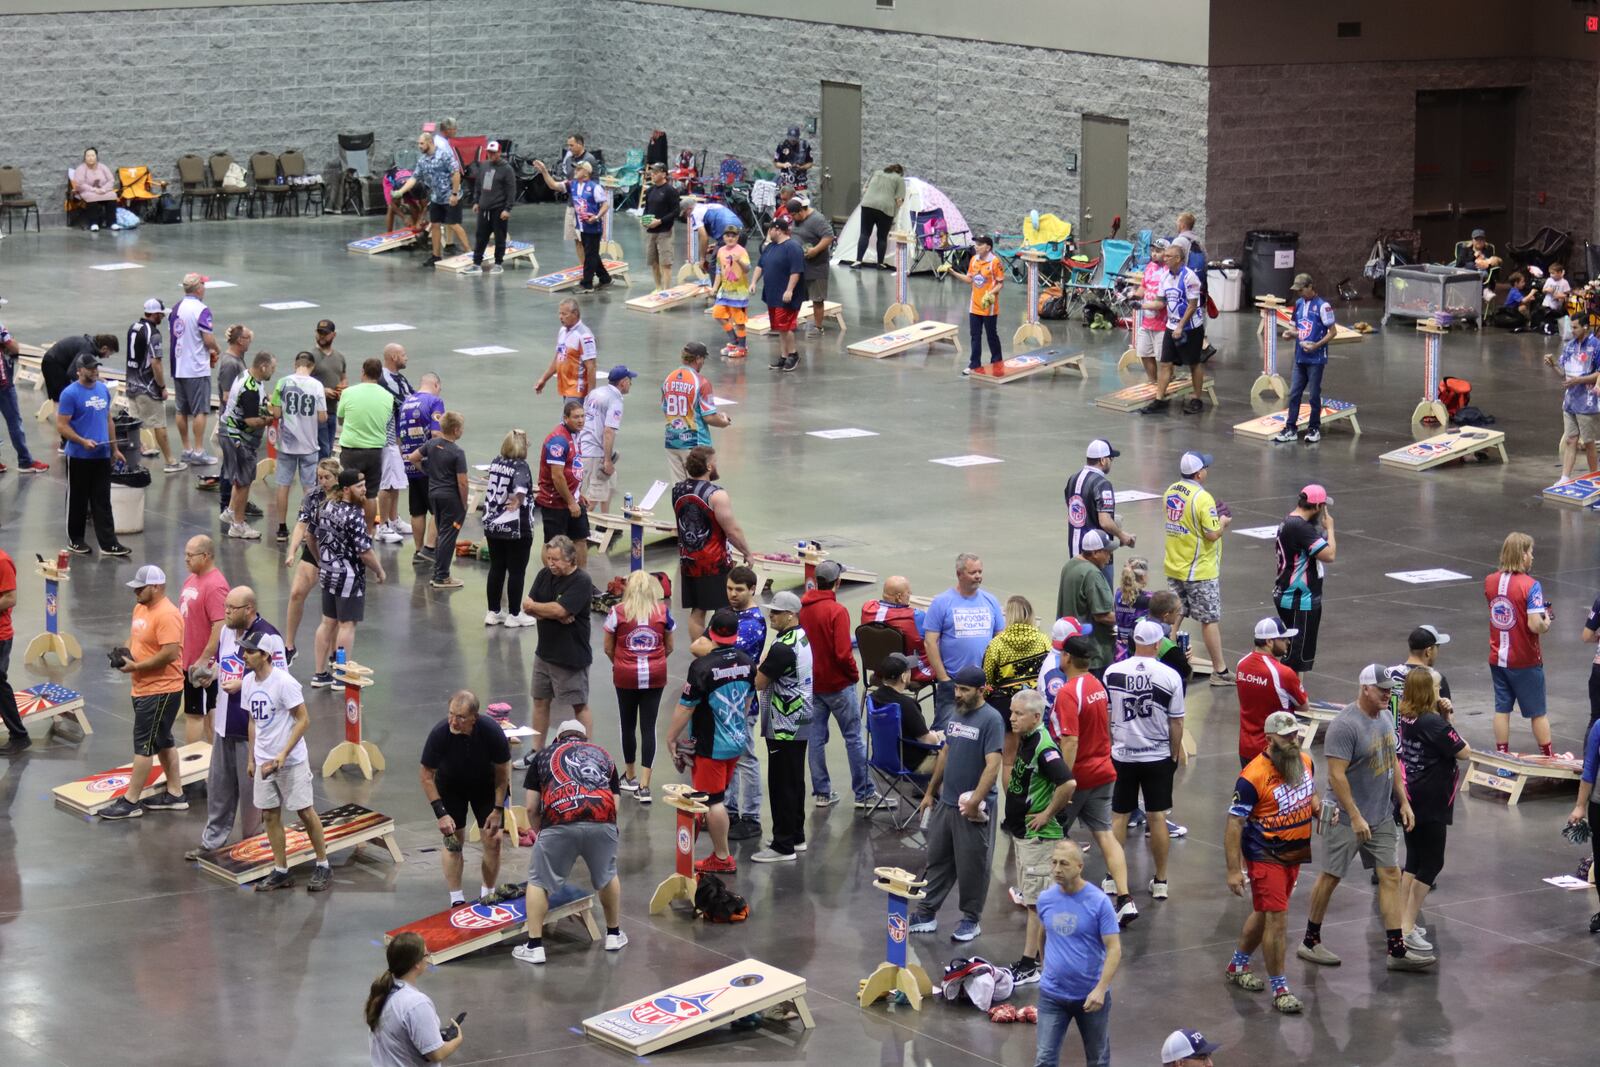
[[1591, 24]]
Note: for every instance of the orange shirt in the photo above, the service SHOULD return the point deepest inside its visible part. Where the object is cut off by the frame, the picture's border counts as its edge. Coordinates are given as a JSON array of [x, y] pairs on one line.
[[986, 275], [1277, 815], [156, 624]]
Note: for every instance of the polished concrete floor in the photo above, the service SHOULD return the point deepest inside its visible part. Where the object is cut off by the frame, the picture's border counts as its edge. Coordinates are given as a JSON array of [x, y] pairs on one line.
[[106, 936]]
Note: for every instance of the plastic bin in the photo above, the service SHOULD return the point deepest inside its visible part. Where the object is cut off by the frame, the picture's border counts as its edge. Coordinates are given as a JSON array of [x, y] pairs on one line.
[[1226, 285], [127, 508], [1269, 257]]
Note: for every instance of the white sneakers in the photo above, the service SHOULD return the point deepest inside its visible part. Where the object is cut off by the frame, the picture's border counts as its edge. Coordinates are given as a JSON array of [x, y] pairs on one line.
[[530, 954], [1158, 890], [387, 534], [519, 619], [402, 526], [243, 531], [615, 942], [494, 618]]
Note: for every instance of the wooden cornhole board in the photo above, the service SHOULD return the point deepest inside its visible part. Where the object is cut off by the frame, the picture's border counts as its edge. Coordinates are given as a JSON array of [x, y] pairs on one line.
[[893, 343], [689, 1008], [1267, 426], [346, 826], [48, 700], [457, 931], [603, 526], [1579, 492], [663, 299], [515, 250], [1342, 335], [1444, 447], [384, 242], [1509, 773], [1313, 719], [1017, 368], [762, 323], [773, 563], [89, 794], [1134, 397], [569, 277]]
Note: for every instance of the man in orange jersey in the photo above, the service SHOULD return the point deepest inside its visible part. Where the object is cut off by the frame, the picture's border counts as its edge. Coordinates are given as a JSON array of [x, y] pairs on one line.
[[573, 364]]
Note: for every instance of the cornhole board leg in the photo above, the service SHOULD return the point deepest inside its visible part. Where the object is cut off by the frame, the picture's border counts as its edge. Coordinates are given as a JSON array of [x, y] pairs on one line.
[[893, 343], [64, 647], [89, 794], [1019, 367], [911, 980], [1579, 492], [1444, 447], [1129, 358], [664, 299], [675, 887], [1317, 715], [363, 755], [616, 524], [762, 324], [899, 316], [1509, 775], [1269, 383], [690, 272], [1431, 408], [1036, 333], [687, 1009], [346, 826]]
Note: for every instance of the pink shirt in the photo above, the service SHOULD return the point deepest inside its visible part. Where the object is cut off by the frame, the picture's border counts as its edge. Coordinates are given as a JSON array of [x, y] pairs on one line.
[[94, 184], [202, 605], [1155, 321]]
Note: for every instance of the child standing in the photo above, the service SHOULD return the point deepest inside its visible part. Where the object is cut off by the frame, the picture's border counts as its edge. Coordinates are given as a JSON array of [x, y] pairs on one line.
[[1547, 314], [446, 467], [732, 291], [986, 274], [1131, 602]]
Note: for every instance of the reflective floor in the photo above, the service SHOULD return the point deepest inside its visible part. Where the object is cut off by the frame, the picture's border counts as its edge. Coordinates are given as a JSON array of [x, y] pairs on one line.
[[107, 937]]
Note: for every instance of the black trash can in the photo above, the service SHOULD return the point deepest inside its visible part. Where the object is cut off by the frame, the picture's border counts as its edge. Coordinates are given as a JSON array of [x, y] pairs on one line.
[[1269, 262], [126, 429]]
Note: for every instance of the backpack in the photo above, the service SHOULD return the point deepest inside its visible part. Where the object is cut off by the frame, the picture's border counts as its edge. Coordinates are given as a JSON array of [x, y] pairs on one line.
[[233, 179], [167, 211], [1471, 416], [1455, 394], [716, 903]]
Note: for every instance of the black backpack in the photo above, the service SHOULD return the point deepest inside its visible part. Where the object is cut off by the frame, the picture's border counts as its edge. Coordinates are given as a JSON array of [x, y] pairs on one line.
[[716, 903], [166, 211]]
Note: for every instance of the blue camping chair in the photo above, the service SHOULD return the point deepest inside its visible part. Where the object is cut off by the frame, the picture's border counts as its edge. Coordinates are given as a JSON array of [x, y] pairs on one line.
[[884, 740]]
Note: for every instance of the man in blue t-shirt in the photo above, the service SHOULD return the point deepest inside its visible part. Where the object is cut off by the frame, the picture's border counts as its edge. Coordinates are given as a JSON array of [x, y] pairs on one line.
[[780, 276], [1082, 950], [957, 630], [83, 418], [1313, 330]]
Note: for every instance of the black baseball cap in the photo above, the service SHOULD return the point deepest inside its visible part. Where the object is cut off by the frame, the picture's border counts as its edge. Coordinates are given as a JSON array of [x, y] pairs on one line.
[[325, 326], [695, 349], [724, 626], [253, 641], [348, 478]]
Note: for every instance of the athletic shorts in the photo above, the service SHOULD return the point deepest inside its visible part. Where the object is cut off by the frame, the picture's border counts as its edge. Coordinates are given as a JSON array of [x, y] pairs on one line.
[[817, 289], [289, 788], [728, 313], [238, 462], [1522, 687], [1271, 884], [1184, 353], [1340, 846], [1147, 343], [153, 717], [558, 849], [782, 319], [569, 225], [369, 461], [1202, 600], [289, 466], [150, 412], [559, 521], [417, 496], [1033, 860], [456, 804], [1586, 428], [449, 214], [711, 776], [595, 487], [1091, 806], [705, 593], [1152, 781], [193, 395], [344, 608], [198, 700], [562, 685], [394, 469]]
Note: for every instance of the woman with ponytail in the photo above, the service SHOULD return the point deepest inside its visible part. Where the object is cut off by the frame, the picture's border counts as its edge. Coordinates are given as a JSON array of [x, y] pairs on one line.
[[405, 1026]]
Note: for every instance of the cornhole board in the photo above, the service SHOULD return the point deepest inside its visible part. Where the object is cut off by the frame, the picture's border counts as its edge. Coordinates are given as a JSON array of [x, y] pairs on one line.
[[662, 299], [604, 526], [771, 562], [1137, 396], [1268, 426], [692, 1007], [762, 323], [48, 700], [346, 826], [1509, 773], [1017, 368], [89, 794], [515, 250], [1444, 447], [1317, 715], [1342, 335], [1579, 492], [569, 277], [893, 343], [384, 242], [457, 931]]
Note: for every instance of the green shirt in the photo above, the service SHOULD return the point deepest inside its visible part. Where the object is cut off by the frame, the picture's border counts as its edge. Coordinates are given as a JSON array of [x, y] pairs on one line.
[[1084, 594], [365, 410], [1035, 774]]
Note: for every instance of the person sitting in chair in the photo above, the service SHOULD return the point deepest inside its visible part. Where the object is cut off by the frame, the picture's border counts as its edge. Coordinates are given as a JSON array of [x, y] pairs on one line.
[[894, 676], [1477, 254]]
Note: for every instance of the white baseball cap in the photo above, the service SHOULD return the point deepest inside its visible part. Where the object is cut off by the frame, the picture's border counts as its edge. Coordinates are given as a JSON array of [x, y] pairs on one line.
[[1094, 541], [1148, 632], [154, 306], [1100, 448], [1194, 462], [571, 726], [1272, 628], [149, 574], [1183, 1044]]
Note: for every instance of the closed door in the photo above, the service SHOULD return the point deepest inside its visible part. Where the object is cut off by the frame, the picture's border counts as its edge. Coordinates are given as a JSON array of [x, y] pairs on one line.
[[1103, 191], [841, 150], [1464, 160]]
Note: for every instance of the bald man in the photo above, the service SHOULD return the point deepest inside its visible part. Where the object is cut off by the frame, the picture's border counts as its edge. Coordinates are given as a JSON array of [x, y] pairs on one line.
[[201, 603], [228, 790], [392, 529], [894, 609]]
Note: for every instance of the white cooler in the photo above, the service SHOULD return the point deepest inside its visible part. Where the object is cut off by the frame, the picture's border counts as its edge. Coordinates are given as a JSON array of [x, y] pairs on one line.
[[1226, 287]]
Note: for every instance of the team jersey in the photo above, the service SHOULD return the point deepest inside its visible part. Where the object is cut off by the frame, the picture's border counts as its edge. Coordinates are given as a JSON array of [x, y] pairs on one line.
[[144, 352], [1512, 598], [1277, 815], [1089, 495], [342, 538], [189, 319], [1144, 694], [1013, 659], [1191, 512], [586, 198], [639, 657], [752, 635], [1081, 709], [733, 276], [786, 703], [574, 348], [576, 782], [1051, 678], [986, 272], [1153, 321], [1035, 773], [310, 507], [559, 450], [702, 544], [1299, 583], [299, 398], [602, 411], [507, 478], [686, 400], [1313, 319], [718, 691], [398, 386], [1181, 291], [418, 423], [248, 399], [269, 704], [904, 618], [1127, 615], [230, 667], [1265, 685]]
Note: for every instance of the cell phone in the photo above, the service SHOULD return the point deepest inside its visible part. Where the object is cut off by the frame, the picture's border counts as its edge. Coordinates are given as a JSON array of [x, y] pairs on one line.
[[461, 1018]]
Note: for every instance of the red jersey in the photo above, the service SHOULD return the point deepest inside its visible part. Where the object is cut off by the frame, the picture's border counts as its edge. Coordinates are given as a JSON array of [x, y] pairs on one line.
[[639, 660], [1265, 686], [1080, 711], [702, 546], [1512, 598], [560, 450], [902, 617], [576, 782], [8, 583]]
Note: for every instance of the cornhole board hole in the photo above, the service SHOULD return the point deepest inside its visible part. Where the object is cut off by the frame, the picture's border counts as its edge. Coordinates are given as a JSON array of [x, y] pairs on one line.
[[690, 1008], [1017, 368], [1444, 447], [774, 563], [49, 700], [1134, 397], [346, 826], [1342, 335], [89, 794], [1317, 715], [1267, 426], [604, 526], [1509, 773], [384, 242], [762, 323], [515, 251], [569, 277], [895, 342], [663, 299], [1579, 492], [457, 931]]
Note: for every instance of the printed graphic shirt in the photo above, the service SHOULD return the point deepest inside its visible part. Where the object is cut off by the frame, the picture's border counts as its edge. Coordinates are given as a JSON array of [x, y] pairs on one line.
[[576, 782], [1191, 512], [639, 659], [719, 689], [187, 320], [248, 399], [987, 273], [1181, 291], [1313, 319], [558, 450], [269, 705], [1089, 495], [1081, 709], [507, 478], [418, 423], [1035, 774], [1512, 598], [1277, 815], [686, 399], [602, 411], [144, 352], [733, 272], [1299, 584], [574, 347], [1144, 694], [341, 532], [230, 667], [1265, 685], [786, 703], [299, 398]]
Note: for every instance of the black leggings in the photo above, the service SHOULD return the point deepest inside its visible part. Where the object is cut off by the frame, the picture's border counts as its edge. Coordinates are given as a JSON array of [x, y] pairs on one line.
[[508, 566], [873, 220], [1594, 697], [638, 708], [1425, 851], [100, 213], [981, 325]]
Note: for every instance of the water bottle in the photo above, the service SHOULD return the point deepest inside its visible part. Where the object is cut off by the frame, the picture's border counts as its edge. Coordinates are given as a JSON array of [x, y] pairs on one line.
[[627, 503], [338, 656]]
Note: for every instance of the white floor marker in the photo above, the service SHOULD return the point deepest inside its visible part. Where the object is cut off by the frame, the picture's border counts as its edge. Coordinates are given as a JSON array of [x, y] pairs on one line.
[[1568, 882], [118, 266], [486, 350], [1431, 574], [289, 305], [724, 402], [1260, 533], [385, 327], [1128, 496], [840, 435], [966, 461]]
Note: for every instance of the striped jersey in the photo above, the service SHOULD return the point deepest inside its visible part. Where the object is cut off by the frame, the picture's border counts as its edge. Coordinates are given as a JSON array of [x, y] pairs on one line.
[[1089, 495], [1265, 685], [341, 532], [1144, 694], [1299, 583], [1512, 598]]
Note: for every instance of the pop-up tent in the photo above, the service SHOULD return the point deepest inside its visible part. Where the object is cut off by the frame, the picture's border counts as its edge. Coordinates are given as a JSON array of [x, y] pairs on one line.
[[921, 196]]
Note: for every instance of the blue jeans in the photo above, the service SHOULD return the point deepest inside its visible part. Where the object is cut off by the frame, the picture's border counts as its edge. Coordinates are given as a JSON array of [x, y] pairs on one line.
[[1306, 376], [744, 792], [944, 703], [13, 417], [326, 432], [845, 706], [1093, 1026]]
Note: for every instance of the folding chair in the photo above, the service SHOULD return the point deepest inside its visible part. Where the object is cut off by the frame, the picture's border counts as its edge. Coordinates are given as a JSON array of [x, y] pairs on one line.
[[194, 185], [884, 741], [877, 640], [292, 164], [218, 165], [11, 198], [356, 179], [267, 185]]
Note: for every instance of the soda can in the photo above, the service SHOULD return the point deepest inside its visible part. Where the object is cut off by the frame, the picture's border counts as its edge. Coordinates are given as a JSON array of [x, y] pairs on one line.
[[63, 558], [1183, 644], [627, 503]]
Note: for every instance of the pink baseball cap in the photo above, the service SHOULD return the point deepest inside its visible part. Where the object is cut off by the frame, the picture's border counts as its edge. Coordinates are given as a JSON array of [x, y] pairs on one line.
[[1315, 494]]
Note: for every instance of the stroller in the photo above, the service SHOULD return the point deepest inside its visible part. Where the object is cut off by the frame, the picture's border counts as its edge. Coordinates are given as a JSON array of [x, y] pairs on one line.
[[933, 234], [1391, 248], [1548, 246]]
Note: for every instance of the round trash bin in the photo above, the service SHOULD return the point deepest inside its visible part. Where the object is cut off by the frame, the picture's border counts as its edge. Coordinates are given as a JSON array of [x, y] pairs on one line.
[[127, 509], [1269, 257]]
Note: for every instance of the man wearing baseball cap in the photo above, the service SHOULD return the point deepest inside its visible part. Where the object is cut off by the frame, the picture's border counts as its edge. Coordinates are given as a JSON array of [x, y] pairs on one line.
[[1187, 1048], [1364, 792], [1145, 705], [497, 192], [145, 384], [827, 625], [83, 419], [1266, 685], [1477, 254], [716, 692], [1422, 651], [1053, 672], [1268, 837], [1193, 557], [792, 160], [330, 371], [1306, 541], [597, 441], [151, 658], [689, 405], [1092, 502], [784, 691], [1085, 593], [1313, 331]]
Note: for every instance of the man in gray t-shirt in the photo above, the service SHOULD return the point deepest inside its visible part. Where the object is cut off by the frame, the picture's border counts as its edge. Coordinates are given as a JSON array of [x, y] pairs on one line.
[[815, 235], [960, 832]]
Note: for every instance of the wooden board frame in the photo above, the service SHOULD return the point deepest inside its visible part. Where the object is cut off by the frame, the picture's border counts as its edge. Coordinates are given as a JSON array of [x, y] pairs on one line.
[[896, 342], [48, 700], [603, 526], [1317, 715], [89, 794], [1133, 397], [658, 300], [385, 242], [516, 251], [1026, 365], [1445, 447], [1577, 492], [764, 562], [1267, 426], [762, 324], [558, 281], [345, 826], [692, 1007], [1509, 773], [494, 924]]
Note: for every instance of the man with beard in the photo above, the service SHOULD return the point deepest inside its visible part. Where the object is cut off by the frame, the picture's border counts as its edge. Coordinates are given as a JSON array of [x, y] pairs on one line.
[[1268, 837], [466, 763], [707, 528]]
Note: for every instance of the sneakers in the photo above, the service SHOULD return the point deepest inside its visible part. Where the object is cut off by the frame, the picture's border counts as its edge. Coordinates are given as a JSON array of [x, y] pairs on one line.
[[1156, 407], [1221, 676], [387, 534], [518, 620], [16, 746], [966, 372], [424, 265], [164, 801], [282, 536], [790, 363], [1158, 890], [422, 558], [884, 803], [1108, 886], [1287, 1003], [1193, 406], [243, 531], [472, 268], [744, 828], [630, 785], [121, 808], [202, 459], [1024, 972], [1417, 942], [966, 930], [1317, 954], [321, 879], [776, 364], [117, 550], [714, 864], [923, 924], [36, 467], [322, 680], [643, 796], [827, 801], [289, 655], [275, 880], [770, 855], [615, 942], [1411, 961], [78, 548], [446, 583], [1313, 436], [1174, 830], [530, 953], [1286, 436], [495, 268], [1127, 913], [1244, 978]]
